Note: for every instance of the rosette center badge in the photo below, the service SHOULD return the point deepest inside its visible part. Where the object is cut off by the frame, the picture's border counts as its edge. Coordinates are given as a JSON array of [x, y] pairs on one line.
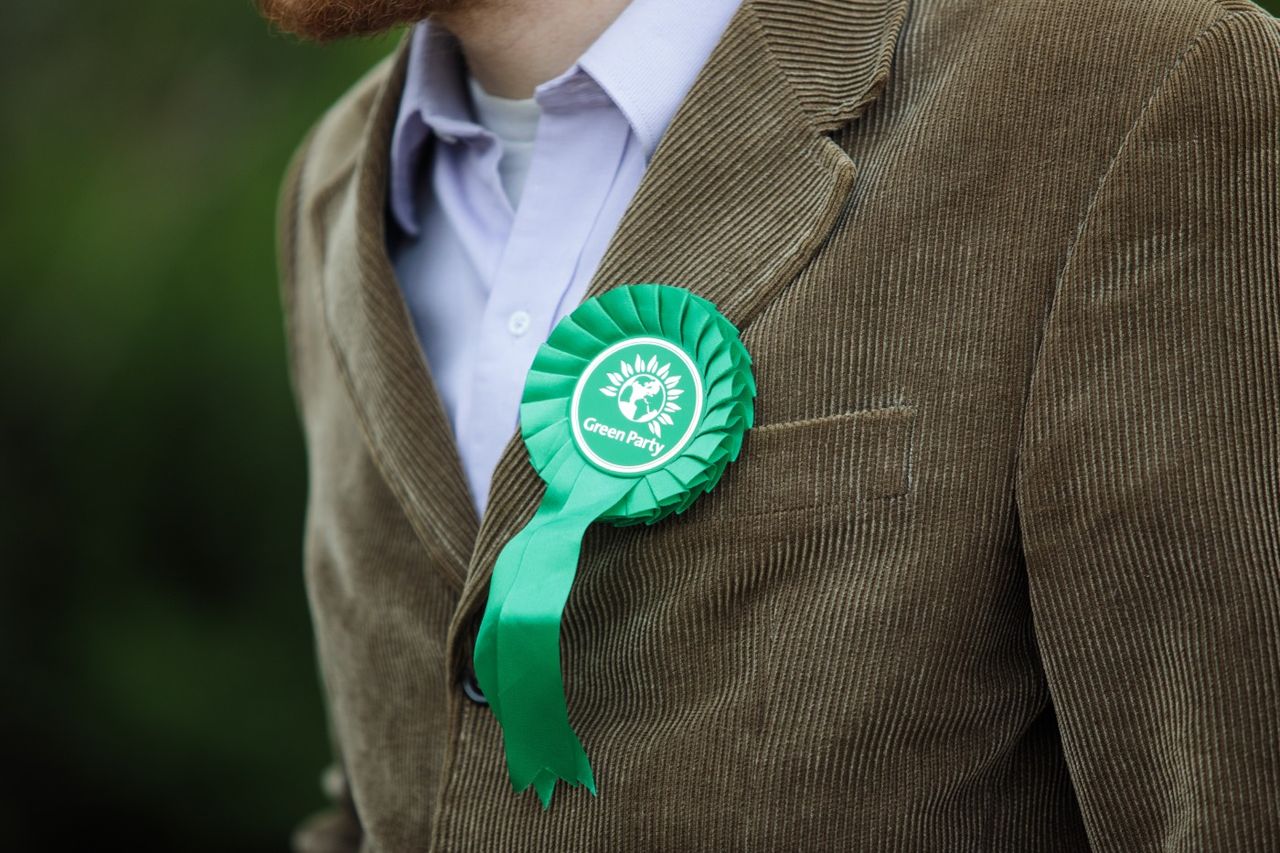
[[636, 406]]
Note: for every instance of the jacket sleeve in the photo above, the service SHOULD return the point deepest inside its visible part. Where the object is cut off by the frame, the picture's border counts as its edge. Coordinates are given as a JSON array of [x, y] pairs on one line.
[[1148, 483], [337, 828]]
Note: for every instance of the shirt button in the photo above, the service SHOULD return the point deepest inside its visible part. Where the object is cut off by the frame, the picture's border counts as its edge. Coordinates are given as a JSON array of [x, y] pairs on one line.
[[518, 323], [472, 689]]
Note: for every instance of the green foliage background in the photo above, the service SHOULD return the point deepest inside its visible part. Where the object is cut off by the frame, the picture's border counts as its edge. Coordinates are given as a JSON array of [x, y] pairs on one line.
[[159, 686]]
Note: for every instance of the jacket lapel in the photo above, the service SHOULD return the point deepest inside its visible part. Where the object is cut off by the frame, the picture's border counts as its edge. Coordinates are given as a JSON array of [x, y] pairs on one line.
[[377, 351], [744, 187]]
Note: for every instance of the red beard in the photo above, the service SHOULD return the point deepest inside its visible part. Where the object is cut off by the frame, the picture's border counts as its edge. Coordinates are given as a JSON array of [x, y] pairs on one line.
[[327, 20]]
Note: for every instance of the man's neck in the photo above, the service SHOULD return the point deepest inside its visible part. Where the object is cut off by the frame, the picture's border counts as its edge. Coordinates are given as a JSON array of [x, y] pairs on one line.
[[513, 45]]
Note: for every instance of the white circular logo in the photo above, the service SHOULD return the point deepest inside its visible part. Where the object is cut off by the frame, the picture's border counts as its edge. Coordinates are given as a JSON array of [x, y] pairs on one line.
[[636, 405]]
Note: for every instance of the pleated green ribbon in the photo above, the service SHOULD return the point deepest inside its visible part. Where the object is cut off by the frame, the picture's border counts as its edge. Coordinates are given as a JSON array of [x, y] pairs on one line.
[[631, 411]]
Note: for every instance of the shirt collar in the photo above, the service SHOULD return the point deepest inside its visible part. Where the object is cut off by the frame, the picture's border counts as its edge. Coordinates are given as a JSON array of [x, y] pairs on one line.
[[644, 63], [433, 100], [649, 57]]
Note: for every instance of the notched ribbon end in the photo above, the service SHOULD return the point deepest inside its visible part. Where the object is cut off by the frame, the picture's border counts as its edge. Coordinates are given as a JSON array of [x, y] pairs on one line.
[[544, 784]]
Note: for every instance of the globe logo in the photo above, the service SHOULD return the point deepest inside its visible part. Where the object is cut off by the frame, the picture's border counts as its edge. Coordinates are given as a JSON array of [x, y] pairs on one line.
[[641, 398], [645, 391]]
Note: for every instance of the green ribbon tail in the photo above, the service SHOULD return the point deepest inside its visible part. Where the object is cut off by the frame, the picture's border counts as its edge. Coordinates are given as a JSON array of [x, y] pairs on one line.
[[505, 571], [517, 654]]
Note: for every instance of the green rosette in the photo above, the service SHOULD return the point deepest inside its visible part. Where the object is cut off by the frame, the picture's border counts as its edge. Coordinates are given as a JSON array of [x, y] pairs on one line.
[[631, 411]]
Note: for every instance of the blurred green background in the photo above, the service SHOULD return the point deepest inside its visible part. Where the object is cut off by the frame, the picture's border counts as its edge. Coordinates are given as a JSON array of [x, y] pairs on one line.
[[159, 682]]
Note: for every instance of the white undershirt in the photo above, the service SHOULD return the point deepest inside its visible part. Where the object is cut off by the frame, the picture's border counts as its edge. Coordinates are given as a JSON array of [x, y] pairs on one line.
[[514, 122]]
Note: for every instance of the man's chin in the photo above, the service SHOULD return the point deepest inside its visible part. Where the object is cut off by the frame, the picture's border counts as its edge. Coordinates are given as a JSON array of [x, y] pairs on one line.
[[329, 20]]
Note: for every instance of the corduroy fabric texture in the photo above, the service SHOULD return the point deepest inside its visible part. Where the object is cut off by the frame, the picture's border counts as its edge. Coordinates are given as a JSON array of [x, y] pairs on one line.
[[999, 569]]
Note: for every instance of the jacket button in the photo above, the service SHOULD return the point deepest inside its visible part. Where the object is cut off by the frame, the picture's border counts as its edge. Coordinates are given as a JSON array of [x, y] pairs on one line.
[[471, 688]]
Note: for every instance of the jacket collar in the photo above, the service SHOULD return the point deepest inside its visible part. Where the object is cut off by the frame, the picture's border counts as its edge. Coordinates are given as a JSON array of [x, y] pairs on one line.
[[744, 186]]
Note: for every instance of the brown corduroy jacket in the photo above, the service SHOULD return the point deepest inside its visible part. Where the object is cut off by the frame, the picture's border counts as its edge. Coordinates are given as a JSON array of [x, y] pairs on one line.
[[999, 567]]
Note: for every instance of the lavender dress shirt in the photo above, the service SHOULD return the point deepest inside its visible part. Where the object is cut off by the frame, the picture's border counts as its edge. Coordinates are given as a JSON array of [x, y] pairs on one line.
[[485, 283]]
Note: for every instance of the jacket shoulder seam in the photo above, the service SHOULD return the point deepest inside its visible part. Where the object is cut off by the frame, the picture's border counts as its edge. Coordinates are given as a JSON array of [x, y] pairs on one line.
[[1232, 11], [1156, 92]]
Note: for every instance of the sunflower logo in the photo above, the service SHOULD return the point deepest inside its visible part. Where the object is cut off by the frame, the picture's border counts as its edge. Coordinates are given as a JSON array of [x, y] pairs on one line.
[[646, 392]]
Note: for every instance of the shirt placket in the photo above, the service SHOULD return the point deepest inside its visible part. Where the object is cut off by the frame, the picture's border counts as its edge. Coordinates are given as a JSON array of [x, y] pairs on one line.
[[580, 138]]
